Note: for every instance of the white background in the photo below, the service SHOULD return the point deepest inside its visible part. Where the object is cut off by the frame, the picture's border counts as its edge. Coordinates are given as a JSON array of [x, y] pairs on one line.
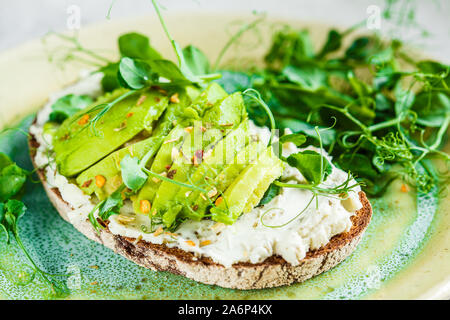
[[22, 20]]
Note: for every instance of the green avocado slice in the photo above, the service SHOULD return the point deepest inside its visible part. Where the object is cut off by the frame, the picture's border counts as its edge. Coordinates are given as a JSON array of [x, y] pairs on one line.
[[161, 163], [219, 156], [185, 117], [109, 167], [226, 114], [245, 186], [77, 148], [244, 158]]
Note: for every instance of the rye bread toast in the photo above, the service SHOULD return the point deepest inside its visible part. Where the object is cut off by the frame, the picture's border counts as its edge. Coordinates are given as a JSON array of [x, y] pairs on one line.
[[272, 272]]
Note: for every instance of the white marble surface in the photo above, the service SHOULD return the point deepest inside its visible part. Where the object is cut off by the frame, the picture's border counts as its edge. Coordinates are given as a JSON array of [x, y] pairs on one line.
[[23, 20]]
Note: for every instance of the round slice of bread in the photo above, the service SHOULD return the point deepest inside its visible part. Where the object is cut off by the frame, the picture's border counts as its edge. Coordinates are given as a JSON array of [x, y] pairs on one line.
[[272, 272]]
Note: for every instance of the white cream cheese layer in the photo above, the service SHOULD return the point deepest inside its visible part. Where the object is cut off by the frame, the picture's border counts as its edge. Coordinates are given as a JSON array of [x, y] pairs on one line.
[[287, 226]]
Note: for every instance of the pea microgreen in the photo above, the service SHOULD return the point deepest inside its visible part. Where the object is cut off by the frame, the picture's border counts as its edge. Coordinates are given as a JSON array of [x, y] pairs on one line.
[[12, 180], [67, 106]]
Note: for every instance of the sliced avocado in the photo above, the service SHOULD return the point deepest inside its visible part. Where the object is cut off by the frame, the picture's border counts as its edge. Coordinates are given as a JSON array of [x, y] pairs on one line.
[[227, 114], [161, 163], [77, 148], [272, 174], [221, 155], [184, 117], [243, 188], [181, 170], [109, 168], [221, 182], [207, 99]]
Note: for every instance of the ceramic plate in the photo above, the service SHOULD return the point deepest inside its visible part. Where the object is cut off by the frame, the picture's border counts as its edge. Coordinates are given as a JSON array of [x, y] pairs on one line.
[[403, 255]]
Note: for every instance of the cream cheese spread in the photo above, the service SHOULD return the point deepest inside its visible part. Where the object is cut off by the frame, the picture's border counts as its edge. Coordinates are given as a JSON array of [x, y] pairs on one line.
[[287, 226]]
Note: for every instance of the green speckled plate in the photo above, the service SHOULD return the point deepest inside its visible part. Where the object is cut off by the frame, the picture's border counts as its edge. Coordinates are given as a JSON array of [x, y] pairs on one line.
[[404, 253]]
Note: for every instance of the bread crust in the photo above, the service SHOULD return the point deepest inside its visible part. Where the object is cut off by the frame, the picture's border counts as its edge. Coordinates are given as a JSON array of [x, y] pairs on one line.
[[272, 272]]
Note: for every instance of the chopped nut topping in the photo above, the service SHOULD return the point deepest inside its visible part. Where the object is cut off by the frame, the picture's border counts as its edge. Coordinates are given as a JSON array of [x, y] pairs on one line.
[[156, 180], [212, 193], [171, 234], [171, 140], [158, 231], [125, 219], [175, 98], [190, 243], [141, 100], [84, 119], [100, 181], [218, 226], [145, 206], [205, 243]]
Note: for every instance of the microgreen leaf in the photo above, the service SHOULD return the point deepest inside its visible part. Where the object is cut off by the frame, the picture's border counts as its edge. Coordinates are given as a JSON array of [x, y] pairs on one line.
[[137, 46], [296, 138], [10, 215], [270, 193], [111, 205], [4, 161], [110, 80], [68, 105], [12, 178], [308, 163], [135, 74], [132, 174], [167, 69], [333, 43], [309, 78], [196, 60]]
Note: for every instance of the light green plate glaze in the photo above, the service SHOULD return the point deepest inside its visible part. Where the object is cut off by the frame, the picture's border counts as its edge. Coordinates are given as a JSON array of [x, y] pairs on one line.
[[404, 253]]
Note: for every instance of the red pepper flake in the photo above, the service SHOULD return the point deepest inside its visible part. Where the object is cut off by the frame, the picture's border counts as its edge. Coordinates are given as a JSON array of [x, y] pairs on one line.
[[219, 200], [84, 119], [195, 207], [129, 115], [198, 157], [168, 167], [157, 99], [404, 188], [171, 174], [87, 184]]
